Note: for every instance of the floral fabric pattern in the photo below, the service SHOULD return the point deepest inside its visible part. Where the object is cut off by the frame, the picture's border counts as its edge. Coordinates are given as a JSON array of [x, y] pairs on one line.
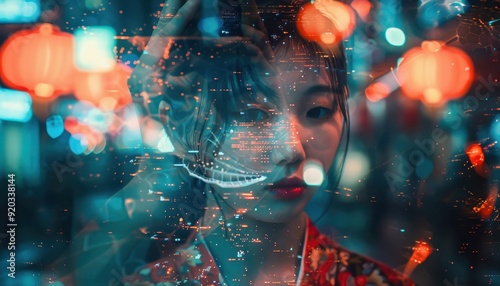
[[324, 263]]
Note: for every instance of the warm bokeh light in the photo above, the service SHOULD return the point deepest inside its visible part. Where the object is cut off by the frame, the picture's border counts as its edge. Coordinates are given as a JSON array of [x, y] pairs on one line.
[[39, 61], [107, 90], [476, 157], [326, 21], [435, 73], [487, 206], [421, 251], [362, 7], [377, 91], [84, 138], [475, 154], [356, 166]]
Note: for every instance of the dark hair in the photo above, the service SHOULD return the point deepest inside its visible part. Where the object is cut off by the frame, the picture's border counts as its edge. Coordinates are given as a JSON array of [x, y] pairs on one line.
[[199, 109]]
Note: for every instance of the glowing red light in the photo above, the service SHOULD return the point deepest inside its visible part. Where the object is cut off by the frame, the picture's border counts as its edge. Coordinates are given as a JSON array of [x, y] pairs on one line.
[[39, 61], [435, 73], [326, 22]]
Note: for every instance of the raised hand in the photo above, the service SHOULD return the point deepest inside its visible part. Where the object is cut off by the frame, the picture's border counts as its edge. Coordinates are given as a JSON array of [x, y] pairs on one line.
[[172, 22], [178, 62]]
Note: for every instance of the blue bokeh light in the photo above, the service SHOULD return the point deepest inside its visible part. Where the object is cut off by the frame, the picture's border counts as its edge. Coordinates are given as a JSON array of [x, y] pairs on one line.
[[19, 11], [210, 26], [15, 105], [55, 126], [77, 143]]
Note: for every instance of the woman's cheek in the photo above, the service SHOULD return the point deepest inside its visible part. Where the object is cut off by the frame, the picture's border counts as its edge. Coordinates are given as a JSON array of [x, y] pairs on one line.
[[250, 146], [321, 143]]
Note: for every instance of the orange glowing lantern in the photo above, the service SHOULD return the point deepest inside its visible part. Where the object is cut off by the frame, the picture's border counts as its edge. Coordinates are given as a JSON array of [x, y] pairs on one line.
[[326, 21], [421, 251], [476, 155], [39, 61], [435, 73], [107, 90]]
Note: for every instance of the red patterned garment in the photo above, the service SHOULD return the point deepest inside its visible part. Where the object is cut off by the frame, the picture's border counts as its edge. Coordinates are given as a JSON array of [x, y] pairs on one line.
[[323, 262]]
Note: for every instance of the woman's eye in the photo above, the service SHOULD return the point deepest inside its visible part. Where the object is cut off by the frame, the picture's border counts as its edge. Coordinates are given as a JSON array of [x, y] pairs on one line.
[[319, 113], [252, 115]]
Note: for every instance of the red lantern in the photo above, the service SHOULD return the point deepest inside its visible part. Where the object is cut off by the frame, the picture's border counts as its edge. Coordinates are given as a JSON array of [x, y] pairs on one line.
[[106, 90], [39, 61], [326, 21], [435, 73]]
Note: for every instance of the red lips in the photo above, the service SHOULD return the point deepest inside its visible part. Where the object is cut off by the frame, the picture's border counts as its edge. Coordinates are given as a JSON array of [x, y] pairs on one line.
[[288, 188]]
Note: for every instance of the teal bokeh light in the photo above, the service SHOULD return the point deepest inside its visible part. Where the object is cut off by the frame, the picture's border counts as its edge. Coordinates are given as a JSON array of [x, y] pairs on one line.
[[78, 144], [15, 105], [19, 11], [210, 26], [55, 126], [94, 48], [495, 128], [395, 36]]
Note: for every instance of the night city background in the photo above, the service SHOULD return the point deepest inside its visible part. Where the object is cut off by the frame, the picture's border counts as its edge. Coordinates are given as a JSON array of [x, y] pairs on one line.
[[420, 185]]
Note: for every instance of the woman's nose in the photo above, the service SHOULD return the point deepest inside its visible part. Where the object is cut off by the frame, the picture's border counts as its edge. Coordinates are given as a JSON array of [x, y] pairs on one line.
[[287, 149]]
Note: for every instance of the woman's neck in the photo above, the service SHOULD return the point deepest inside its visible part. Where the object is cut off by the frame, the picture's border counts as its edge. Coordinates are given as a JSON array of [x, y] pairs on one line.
[[245, 247]]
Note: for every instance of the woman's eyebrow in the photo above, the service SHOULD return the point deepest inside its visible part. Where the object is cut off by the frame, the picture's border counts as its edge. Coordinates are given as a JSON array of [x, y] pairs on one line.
[[317, 90]]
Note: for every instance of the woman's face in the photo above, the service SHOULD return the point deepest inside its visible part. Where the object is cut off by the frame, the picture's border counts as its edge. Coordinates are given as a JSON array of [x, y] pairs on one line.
[[277, 138]]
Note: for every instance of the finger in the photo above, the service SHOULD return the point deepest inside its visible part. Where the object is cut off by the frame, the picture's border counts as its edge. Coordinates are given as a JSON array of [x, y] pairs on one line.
[[252, 26], [171, 24], [143, 79], [257, 59], [250, 15], [170, 8], [180, 20], [260, 39]]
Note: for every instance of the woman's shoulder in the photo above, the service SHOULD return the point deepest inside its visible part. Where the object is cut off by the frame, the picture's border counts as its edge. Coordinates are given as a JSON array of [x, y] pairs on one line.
[[328, 263]]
